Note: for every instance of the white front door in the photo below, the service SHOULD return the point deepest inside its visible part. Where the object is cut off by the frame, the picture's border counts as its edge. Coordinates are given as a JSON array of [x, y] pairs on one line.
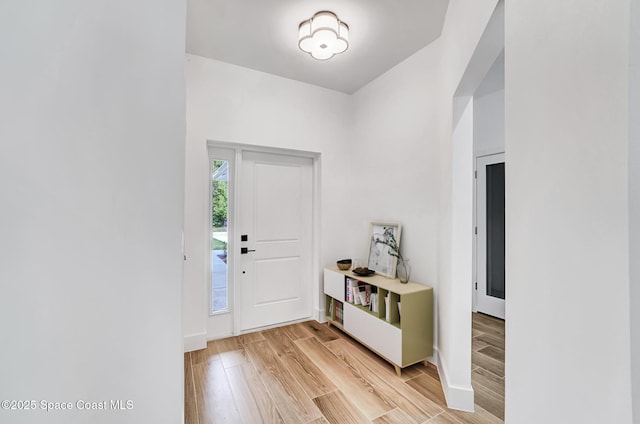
[[276, 216], [490, 240]]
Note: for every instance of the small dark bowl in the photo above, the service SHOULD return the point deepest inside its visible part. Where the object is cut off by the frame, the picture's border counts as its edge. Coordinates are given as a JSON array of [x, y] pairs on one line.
[[344, 264]]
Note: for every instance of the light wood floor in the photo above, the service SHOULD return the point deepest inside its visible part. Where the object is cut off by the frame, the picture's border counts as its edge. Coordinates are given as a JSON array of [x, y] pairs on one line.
[[312, 373], [487, 363]]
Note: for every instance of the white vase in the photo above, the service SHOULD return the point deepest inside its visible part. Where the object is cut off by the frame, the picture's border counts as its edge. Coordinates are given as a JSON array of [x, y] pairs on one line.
[[403, 270]]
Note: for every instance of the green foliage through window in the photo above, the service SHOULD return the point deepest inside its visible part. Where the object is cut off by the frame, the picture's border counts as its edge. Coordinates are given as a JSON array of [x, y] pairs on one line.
[[219, 196]]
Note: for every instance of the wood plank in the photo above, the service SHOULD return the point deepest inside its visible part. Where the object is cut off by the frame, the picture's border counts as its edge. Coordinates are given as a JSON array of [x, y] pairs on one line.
[[292, 402], [319, 331], [488, 380], [296, 331], [489, 320], [234, 357], [321, 420], [430, 388], [190, 409], [444, 418], [493, 352], [250, 337], [480, 416], [395, 416], [391, 388], [228, 344], [337, 409], [231, 351], [253, 401], [488, 329], [430, 370], [370, 401], [489, 400], [488, 363], [477, 344], [407, 373], [497, 341], [202, 356], [312, 380], [213, 395]]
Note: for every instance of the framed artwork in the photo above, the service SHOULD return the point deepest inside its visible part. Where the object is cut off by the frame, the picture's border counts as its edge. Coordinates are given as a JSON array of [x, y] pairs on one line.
[[383, 237]]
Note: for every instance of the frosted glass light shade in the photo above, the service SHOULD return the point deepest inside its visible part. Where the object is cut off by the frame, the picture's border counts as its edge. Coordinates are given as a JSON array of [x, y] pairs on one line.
[[323, 36], [342, 43]]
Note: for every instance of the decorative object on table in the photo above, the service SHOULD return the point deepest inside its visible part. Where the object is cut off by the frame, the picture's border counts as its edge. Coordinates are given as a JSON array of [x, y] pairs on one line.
[[404, 269], [359, 263], [384, 248], [344, 264], [363, 271]]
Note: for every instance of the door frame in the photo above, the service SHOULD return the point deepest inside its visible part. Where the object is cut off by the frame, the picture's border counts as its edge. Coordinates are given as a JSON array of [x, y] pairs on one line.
[[485, 154], [317, 310]]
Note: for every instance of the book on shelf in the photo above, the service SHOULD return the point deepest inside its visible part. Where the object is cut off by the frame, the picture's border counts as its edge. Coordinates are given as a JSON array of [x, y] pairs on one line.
[[373, 306], [338, 311], [364, 294], [352, 291], [387, 306]]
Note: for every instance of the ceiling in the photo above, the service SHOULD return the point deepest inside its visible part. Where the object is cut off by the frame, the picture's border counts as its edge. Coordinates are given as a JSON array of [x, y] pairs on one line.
[[263, 35]]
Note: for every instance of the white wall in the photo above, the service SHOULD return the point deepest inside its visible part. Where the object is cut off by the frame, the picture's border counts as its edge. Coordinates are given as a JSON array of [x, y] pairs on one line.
[[634, 202], [488, 112], [395, 143], [91, 183], [567, 345], [233, 104], [488, 123]]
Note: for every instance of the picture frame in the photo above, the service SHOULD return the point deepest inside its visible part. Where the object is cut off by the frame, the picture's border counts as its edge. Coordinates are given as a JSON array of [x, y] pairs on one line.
[[379, 258]]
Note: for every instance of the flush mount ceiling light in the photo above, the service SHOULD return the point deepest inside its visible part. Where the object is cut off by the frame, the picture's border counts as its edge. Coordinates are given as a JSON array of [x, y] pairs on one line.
[[323, 36]]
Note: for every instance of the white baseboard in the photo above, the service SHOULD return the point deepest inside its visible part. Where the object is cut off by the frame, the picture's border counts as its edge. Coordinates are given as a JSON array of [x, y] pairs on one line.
[[457, 397], [195, 342], [319, 315]]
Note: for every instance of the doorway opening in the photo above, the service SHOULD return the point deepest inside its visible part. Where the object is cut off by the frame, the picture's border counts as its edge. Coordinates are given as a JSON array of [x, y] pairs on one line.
[[262, 243], [478, 123]]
